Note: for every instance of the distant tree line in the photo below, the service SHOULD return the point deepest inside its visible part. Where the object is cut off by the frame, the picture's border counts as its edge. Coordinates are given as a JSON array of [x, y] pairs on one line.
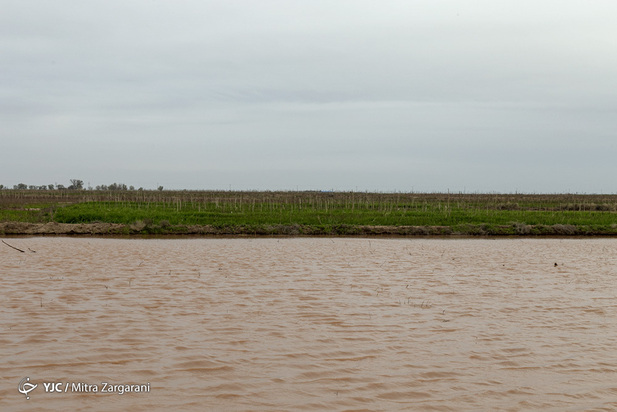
[[76, 184]]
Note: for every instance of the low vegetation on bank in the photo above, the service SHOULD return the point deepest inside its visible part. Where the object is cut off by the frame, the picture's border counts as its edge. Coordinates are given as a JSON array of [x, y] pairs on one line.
[[118, 212]]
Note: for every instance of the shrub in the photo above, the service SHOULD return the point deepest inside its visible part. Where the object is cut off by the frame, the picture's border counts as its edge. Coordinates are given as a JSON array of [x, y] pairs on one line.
[[138, 226], [521, 228], [564, 229]]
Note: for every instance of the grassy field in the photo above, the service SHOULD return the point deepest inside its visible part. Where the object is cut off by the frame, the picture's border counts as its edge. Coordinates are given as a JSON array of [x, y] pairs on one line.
[[318, 212]]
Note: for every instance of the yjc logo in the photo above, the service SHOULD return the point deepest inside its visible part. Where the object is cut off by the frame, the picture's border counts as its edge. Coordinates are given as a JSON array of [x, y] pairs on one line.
[[26, 387], [53, 386]]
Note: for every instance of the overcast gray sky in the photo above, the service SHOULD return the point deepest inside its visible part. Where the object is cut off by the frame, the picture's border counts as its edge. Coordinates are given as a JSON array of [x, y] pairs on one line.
[[422, 95]]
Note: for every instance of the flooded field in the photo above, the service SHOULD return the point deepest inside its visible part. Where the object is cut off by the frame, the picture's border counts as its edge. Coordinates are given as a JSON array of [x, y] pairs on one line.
[[308, 324]]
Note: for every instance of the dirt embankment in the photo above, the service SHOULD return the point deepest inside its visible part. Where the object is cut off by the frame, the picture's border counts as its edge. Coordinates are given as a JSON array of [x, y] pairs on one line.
[[142, 229], [52, 228], [110, 229]]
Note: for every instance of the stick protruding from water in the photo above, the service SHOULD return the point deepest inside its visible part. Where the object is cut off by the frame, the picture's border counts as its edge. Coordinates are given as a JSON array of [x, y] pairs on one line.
[[22, 251]]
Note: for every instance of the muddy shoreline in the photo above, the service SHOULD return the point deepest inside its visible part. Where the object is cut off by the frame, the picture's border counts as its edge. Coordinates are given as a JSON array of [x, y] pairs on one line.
[[115, 229]]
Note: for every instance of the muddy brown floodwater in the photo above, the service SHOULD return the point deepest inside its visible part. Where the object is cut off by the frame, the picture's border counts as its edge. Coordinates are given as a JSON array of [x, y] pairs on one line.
[[310, 324]]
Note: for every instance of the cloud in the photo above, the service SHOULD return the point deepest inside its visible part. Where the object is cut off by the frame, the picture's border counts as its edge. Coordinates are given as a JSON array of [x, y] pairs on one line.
[[282, 94]]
